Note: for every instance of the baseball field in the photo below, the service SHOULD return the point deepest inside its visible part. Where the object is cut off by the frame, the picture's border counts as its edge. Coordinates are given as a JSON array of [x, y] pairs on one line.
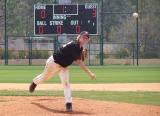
[[118, 90]]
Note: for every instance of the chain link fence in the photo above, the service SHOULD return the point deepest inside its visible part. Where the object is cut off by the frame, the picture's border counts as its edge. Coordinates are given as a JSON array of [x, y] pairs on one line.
[[120, 34]]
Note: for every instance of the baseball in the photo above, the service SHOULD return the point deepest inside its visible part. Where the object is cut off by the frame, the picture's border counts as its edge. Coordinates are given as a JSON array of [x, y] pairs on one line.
[[135, 15]]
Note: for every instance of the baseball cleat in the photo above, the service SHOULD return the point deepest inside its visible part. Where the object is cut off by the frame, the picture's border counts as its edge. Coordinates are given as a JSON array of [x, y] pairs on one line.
[[69, 107], [32, 87]]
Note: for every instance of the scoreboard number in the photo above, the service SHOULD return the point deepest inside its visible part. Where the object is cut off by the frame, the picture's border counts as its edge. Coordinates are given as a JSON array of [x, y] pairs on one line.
[[59, 19]]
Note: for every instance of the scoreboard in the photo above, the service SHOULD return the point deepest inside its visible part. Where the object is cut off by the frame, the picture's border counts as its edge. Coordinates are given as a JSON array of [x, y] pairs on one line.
[[50, 19]]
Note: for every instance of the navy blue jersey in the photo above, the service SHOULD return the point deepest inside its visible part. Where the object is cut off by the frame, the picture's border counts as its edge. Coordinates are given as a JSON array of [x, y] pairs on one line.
[[68, 53]]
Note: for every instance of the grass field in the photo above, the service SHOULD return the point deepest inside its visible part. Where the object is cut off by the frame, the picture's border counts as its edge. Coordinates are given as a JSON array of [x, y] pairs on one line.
[[105, 74], [151, 98]]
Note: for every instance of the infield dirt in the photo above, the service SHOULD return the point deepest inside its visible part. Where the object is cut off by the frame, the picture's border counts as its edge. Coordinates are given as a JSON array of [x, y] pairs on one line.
[[87, 87], [54, 106]]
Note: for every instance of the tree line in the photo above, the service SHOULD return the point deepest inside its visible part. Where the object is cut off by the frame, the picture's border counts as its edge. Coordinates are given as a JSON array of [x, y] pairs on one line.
[[118, 22]]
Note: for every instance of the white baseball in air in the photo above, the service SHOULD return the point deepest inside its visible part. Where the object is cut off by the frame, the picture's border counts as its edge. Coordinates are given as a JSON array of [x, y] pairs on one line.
[[135, 15]]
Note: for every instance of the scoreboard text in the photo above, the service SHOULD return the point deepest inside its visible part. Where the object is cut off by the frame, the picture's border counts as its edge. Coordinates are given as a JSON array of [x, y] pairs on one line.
[[65, 19]]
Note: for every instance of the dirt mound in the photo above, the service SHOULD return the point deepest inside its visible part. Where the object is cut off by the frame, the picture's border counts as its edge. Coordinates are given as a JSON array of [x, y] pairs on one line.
[[54, 106]]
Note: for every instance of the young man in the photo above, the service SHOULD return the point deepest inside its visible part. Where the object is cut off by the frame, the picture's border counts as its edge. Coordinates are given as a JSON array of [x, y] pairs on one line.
[[59, 62]]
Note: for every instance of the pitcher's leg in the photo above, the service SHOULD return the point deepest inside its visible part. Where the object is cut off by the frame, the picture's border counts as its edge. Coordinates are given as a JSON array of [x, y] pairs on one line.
[[47, 73], [50, 69], [64, 76]]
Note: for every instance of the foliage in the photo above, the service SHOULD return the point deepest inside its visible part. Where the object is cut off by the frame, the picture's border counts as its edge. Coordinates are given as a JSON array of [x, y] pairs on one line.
[[22, 54], [1, 53], [42, 54], [148, 30], [122, 53], [150, 55]]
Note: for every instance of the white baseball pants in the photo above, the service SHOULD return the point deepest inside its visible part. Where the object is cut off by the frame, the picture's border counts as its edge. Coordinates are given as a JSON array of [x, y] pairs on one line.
[[50, 70]]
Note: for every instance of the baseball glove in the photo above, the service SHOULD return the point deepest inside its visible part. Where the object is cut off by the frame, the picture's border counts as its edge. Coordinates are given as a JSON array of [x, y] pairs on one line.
[[84, 54]]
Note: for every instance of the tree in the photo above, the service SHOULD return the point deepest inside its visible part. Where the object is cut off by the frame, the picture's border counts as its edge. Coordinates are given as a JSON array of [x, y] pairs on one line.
[[115, 14], [148, 29]]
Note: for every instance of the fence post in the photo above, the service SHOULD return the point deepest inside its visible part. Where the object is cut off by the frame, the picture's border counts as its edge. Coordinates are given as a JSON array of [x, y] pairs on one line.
[[30, 50], [133, 52], [101, 39], [55, 43], [137, 39], [6, 50], [5, 38]]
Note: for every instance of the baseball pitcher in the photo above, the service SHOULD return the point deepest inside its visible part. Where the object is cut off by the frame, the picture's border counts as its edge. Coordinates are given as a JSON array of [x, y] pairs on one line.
[[58, 63]]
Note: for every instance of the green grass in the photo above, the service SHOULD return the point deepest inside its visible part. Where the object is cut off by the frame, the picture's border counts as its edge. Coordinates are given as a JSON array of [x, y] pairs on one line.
[[105, 74], [151, 98]]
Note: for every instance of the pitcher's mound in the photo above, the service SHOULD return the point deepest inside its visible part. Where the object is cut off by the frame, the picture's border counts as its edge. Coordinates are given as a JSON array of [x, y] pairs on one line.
[[55, 106]]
